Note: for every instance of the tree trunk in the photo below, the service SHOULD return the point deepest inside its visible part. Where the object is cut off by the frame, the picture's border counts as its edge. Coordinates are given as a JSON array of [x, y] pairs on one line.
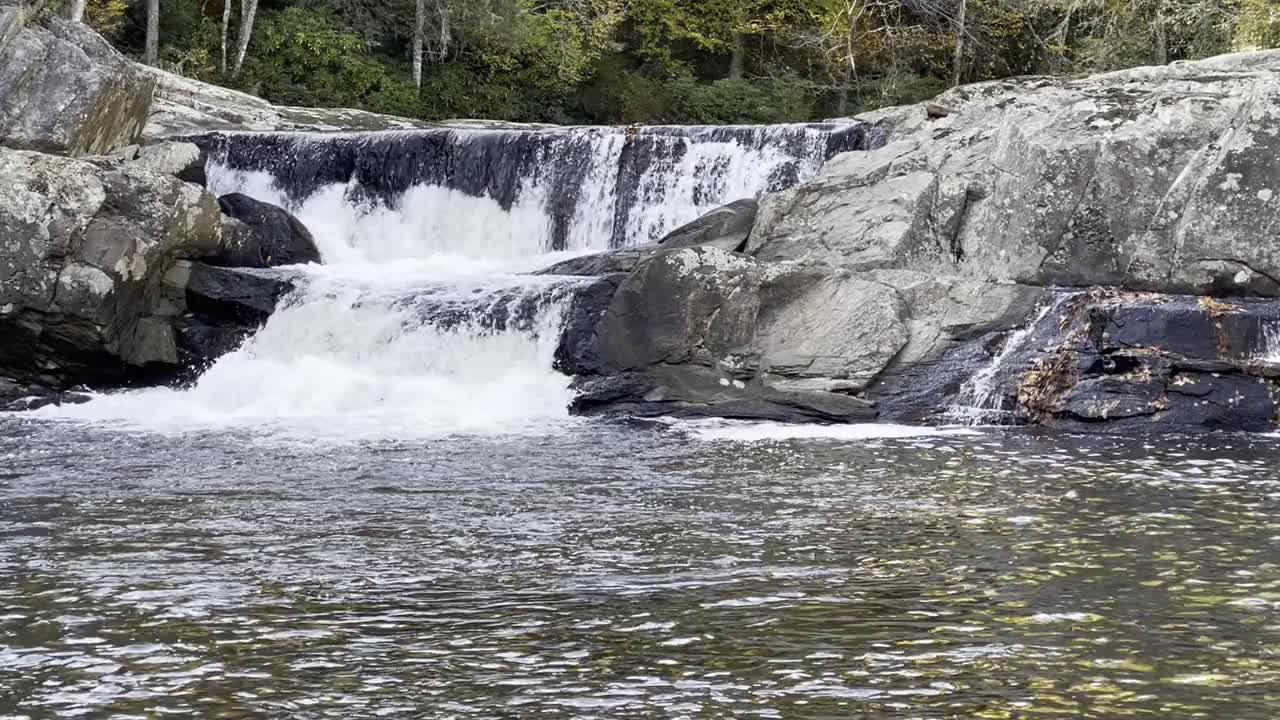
[[957, 62], [248, 8], [226, 23], [739, 55], [152, 52], [1161, 44], [419, 20], [77, 10], [446, 34]]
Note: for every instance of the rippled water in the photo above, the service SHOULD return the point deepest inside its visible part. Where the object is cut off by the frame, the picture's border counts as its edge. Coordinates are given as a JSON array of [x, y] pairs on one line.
[[619, 571]]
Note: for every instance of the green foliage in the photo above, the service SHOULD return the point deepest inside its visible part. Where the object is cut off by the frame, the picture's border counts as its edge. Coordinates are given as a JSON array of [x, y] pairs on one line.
[[1259, 25], [739, 101], [106, 16], [637, 61], [303, 57]]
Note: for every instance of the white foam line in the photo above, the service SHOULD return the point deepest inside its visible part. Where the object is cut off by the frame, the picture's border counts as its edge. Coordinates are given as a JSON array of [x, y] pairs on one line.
[[748, 431]]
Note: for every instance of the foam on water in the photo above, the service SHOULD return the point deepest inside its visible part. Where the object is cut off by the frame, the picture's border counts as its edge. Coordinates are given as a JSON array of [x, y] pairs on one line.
[[347, 360], [747, 431]]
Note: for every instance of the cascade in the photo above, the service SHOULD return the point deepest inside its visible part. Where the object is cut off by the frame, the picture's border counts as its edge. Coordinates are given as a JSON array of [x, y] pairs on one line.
[[982, 399], [424, 321], [1269, 350]]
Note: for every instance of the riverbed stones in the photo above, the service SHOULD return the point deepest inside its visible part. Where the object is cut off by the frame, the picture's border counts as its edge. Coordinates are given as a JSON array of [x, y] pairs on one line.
[[65, 90]]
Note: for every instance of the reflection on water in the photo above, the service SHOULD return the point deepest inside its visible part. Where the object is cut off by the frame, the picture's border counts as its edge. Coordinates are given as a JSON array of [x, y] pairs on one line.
[[987, 576]]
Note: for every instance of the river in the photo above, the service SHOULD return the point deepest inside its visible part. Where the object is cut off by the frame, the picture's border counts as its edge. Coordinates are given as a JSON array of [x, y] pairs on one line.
[[612, 569]]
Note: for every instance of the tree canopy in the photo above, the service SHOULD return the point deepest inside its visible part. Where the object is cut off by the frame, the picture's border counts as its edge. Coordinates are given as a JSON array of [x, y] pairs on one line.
[[627, 61]]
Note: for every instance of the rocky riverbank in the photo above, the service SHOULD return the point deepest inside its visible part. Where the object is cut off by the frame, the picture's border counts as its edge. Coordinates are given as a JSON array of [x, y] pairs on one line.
[[1090, 254], [931, 279]]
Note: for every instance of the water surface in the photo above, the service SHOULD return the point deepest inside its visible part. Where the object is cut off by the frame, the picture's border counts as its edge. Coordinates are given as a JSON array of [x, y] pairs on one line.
[[626, 570]]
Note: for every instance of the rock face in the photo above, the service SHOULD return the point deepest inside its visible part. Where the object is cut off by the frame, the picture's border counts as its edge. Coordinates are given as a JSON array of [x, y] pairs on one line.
[[1159, 179], [262, 235], [188, 107], [917, 276], [82, 247], [64, 89], [91, 287]]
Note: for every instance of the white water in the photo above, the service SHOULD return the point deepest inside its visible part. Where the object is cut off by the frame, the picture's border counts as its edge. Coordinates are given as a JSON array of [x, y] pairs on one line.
[[347, 360], [1269, 352], [430, 220]]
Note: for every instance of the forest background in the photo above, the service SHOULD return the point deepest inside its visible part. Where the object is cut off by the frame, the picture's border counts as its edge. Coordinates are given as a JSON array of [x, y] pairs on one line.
[[657, 61]]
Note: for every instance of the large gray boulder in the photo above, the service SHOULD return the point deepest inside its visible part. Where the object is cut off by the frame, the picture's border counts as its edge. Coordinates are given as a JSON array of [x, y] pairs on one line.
[[84, 249], [725, 228], [1161, 178], [698, 331], [64, 89]]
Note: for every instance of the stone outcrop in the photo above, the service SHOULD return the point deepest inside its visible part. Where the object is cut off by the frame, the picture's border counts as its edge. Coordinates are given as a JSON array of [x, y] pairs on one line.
[[907, 275], [1153, 178], [1107, 360], [698, 331], [93, 284], [182, 160], [83, 245], [185, 107], [64, 89], [724, 228]]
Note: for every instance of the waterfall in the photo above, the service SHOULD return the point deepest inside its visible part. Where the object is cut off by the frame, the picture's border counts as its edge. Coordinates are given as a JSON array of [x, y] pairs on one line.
[[1269, 350], [982, 399], [515, 193], [423, 322]]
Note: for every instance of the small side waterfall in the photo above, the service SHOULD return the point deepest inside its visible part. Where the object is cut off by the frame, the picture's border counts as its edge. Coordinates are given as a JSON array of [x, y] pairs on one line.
[[982, 399], [1268, 352]]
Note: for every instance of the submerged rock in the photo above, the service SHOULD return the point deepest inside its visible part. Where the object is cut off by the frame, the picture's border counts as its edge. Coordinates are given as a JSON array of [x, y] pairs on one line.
[[260, 235], [64, 89], [17, 397]]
